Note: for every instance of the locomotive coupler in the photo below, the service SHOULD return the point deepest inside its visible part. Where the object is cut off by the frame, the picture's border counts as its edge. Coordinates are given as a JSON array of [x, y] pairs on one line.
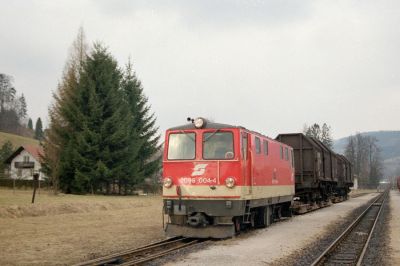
[[199, 219]]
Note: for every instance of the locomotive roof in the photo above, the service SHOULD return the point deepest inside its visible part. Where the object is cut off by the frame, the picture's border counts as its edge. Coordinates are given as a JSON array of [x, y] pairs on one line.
[[208, 125], [211, 125]]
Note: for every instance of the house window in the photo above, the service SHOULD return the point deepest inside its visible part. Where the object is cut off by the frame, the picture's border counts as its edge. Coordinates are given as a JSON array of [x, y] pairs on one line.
[[265, 144], [286, 154], [258, 145], [281, 153], [26, 159], [19, 172]]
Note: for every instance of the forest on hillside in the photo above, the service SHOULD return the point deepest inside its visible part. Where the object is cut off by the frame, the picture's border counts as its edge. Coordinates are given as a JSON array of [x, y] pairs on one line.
[[13, 108], [14, 117]]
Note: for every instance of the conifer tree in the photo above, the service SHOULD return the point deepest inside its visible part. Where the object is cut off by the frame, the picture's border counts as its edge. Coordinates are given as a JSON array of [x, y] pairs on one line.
[[30, 124], [39, 129], [22, 110], [143, 124], [98, 148], [101, 134]]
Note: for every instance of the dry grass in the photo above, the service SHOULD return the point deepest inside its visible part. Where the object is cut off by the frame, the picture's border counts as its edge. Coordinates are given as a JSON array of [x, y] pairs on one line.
[[67, 229], [17, 140]]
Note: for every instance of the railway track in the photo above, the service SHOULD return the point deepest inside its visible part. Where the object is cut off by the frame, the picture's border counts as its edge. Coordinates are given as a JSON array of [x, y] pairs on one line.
[[146, 253], [349, 248]]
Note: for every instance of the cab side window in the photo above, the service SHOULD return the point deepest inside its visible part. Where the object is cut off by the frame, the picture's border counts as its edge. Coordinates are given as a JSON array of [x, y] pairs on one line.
[[244, 146], [265, 144], [286, 154], [258, 145]]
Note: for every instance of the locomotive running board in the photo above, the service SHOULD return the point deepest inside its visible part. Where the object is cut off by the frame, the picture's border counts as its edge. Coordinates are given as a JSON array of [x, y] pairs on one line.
[[219, 231]]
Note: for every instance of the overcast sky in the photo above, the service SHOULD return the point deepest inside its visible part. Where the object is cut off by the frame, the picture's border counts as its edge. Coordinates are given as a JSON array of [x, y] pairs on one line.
[[270, 66]]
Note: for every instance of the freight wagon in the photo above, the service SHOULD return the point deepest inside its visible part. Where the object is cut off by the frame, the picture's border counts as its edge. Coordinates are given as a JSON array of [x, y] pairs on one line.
[[321, 176]]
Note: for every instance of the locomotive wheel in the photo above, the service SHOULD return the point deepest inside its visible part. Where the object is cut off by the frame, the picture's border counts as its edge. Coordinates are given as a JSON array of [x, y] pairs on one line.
[[264, 217], [278, 212], [237, 224]]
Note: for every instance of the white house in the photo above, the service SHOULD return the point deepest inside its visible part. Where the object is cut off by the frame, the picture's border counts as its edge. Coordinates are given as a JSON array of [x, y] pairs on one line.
[[24, 162]]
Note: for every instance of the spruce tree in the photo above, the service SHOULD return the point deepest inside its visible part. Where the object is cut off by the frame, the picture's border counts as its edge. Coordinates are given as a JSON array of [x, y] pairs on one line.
[[30, 124], [143, 124], [99, 146], [39, 129], [22, 110]]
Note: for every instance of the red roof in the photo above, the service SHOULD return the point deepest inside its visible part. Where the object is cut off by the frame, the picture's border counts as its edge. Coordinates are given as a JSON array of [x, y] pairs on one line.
[[35, 151]]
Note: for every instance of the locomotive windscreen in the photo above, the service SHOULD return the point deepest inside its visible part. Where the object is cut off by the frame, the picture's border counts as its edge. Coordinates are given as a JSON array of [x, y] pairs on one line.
[[218, 146], [181, 146]]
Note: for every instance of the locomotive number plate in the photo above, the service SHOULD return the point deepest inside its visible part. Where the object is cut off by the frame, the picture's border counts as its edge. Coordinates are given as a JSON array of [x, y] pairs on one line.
[[198, 181]]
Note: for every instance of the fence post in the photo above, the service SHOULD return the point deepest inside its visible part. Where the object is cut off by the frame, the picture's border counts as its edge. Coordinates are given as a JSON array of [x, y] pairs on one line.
[[35, 181]]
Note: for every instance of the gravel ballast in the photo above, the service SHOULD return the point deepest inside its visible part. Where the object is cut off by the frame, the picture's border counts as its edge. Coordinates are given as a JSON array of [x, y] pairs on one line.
[[394, 227], [279, 243]]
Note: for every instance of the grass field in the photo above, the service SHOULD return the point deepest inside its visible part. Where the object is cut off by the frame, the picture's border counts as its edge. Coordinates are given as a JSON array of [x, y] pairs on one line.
[[17, 140], [66, 229]]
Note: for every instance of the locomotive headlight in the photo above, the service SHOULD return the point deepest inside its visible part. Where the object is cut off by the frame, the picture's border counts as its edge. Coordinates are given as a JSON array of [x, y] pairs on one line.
[[199, 122], [230, 182], [167, 182]]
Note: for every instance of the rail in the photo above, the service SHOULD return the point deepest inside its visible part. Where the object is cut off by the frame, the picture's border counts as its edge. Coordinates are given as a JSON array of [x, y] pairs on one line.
[[144, 254], [350, 247]]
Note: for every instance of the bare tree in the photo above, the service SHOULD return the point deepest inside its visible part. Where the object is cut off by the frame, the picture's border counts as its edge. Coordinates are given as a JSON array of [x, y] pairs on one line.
[[321, 133], [364, 153], [53, 143]]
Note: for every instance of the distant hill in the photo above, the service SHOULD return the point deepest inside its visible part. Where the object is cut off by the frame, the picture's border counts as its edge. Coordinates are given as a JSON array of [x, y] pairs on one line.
[[389, 143], [16, 140]]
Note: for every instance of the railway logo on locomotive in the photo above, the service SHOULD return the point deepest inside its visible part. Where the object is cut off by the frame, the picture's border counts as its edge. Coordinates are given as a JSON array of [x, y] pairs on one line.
[[199, 169]]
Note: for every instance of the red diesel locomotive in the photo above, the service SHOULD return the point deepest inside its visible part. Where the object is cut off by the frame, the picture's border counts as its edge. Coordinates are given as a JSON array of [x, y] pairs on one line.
[[220, 178]]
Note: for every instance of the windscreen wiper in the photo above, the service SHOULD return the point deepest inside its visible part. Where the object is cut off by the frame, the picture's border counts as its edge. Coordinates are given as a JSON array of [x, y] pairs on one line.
[[187, 135], [215, 132]]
